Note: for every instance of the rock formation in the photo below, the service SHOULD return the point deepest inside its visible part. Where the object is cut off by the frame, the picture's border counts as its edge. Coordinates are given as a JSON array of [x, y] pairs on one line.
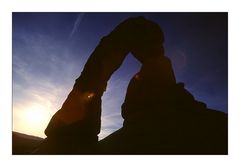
[[160, 116]]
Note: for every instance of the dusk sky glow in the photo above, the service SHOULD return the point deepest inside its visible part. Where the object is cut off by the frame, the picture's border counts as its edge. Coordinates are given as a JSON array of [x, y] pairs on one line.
[[50, 50]]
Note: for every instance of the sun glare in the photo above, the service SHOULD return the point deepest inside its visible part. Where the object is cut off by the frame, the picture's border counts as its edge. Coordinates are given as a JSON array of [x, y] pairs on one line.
[[33, 119], [35, 115]]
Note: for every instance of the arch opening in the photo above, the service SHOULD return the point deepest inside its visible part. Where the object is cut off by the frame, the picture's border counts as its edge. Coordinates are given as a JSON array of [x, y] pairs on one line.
[[113, 97]]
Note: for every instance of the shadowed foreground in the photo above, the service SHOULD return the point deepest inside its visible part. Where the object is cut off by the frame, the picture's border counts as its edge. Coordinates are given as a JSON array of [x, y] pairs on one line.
[[24, 144], [190, 132]]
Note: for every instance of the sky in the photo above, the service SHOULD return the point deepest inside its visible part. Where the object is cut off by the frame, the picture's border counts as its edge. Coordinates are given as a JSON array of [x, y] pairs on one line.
[[50, 50]]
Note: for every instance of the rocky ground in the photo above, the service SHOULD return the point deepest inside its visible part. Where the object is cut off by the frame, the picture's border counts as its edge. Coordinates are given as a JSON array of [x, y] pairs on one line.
[[24, 144]]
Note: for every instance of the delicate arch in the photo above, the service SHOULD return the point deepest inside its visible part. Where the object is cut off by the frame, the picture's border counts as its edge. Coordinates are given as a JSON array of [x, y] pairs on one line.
[[102, 63]]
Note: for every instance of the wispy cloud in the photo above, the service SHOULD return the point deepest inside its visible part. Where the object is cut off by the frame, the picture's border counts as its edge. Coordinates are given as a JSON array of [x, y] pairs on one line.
[[76, 25], [42, 78]]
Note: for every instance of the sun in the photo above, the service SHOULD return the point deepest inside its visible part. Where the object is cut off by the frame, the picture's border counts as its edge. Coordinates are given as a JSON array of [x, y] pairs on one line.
[[35, 115], [34, 119]]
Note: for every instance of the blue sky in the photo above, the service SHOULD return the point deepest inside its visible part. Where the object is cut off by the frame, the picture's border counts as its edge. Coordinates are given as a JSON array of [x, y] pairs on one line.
[[50, 50]]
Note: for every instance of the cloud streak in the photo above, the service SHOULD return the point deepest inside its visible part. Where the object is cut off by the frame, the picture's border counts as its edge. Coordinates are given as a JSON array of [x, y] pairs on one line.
[[42, 78], [76, 25]]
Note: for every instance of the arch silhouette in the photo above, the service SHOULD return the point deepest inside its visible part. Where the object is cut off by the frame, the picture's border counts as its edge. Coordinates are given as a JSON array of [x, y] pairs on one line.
[[82, 108], [183, 125]]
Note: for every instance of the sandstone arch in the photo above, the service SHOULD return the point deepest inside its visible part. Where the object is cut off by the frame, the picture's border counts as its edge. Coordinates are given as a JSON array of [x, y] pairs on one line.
[[82, 108], [168, 121]]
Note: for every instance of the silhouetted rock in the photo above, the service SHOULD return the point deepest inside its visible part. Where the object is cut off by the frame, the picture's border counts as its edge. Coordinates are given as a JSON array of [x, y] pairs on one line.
[[171, 129], [160, 116], [83, 105]]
